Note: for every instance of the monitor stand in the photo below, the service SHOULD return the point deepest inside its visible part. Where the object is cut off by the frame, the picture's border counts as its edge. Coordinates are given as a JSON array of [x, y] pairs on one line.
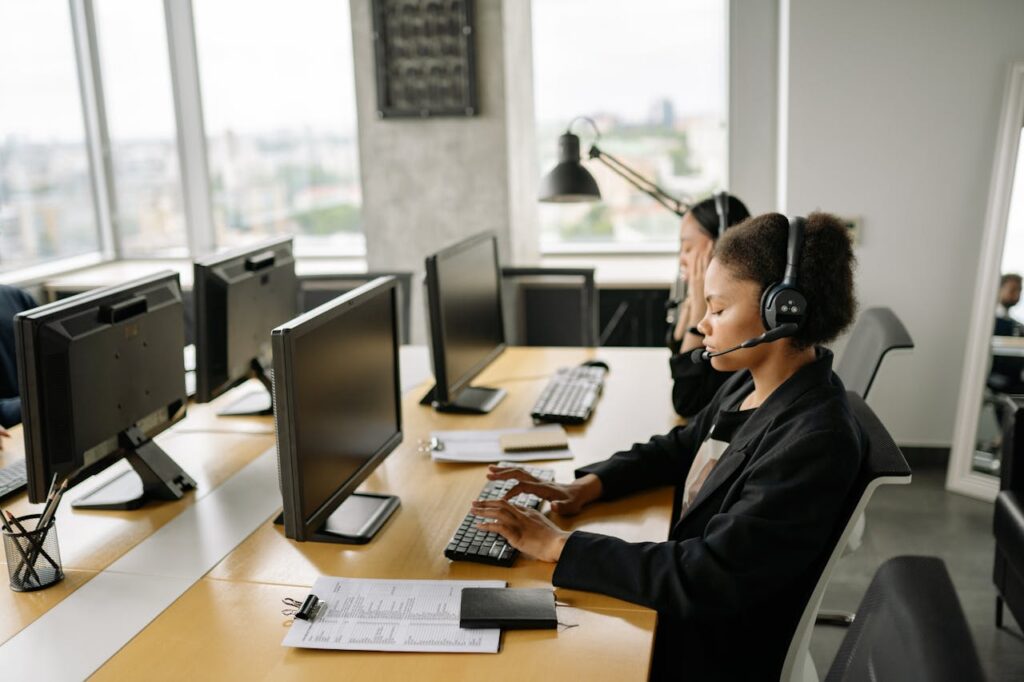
[[356, 520], [155, 476], [471, 400], [255, 403]]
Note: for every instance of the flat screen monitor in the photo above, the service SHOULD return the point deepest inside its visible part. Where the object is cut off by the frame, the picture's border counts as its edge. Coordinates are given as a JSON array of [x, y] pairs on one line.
[[100, 375], [338, 412], [240, 296], [467, 330]]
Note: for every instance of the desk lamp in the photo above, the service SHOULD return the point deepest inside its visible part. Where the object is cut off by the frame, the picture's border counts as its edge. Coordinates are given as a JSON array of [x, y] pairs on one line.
[[570, 182]]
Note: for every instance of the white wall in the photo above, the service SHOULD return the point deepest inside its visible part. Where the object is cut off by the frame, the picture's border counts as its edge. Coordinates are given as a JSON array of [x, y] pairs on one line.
[[892, 116]]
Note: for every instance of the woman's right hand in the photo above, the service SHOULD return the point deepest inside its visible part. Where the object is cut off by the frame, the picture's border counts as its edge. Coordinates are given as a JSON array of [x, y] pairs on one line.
[[695, 296], [566, 500], [4, 433]]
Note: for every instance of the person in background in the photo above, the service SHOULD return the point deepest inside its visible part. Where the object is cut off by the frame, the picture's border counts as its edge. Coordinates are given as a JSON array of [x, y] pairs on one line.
[[766, 469], [12, 301], [1007, 373], [1009, 296], [693, 385]]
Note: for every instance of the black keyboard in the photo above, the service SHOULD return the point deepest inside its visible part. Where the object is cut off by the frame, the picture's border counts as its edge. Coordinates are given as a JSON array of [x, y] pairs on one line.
[[12, 478], [486, 547], [570, 395]]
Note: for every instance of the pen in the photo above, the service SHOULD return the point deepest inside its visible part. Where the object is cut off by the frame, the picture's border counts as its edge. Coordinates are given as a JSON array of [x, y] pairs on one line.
[[4, 515], [51, 505]]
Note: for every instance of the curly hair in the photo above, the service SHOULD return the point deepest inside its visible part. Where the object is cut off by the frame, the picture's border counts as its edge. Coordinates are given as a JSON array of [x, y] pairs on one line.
[[755, 250]]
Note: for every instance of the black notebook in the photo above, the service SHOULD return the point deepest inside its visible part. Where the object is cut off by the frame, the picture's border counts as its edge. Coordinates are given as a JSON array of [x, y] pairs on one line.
[[512, 609]]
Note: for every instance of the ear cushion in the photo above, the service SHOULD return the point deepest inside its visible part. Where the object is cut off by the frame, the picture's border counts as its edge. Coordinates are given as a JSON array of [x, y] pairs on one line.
[[782, 304]]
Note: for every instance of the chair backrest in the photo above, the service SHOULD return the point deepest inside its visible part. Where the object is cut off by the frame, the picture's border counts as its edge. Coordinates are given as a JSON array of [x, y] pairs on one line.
[[883, 464], [1011, 465], [909, 626], [876, 332], [315, 290], [550, 306]]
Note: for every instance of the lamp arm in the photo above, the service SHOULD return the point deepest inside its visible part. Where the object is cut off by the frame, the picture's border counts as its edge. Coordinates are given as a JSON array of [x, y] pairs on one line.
[[640, 182]]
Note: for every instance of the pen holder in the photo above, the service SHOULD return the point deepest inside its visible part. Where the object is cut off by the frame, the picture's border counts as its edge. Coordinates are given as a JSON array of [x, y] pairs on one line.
[[33, 557]]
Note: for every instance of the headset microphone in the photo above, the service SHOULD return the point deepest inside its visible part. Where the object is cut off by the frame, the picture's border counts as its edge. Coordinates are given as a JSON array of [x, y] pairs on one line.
[[701, 355]]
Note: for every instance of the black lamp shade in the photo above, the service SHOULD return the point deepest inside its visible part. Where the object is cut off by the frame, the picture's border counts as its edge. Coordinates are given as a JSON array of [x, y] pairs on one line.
[[569, 181]]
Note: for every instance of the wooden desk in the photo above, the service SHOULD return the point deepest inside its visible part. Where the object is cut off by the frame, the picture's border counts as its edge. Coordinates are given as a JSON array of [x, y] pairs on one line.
[[229, 623], [92, 540]]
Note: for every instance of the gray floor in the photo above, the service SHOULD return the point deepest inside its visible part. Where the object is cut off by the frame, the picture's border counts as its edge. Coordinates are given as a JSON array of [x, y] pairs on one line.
[[924, 519]]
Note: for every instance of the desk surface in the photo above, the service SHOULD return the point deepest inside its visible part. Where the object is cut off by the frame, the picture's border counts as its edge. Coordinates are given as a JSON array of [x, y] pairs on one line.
[[611, 271], [230, 620]]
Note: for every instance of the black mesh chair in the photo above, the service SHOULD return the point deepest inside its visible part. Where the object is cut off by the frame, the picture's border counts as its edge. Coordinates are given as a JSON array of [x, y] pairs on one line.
[[909, 626], [550, 306], [876, 332], [315, 290], [1008, 515], [883, 464]]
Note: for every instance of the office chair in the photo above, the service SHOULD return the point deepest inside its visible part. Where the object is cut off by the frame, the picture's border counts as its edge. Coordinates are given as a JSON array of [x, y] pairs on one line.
[[883, 464], [315, 290], [876, 332], [909, 626], [550, 306], [1008, 515]]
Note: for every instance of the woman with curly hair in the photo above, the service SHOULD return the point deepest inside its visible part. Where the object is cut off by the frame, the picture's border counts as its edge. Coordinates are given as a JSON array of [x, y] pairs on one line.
[[764, 471]]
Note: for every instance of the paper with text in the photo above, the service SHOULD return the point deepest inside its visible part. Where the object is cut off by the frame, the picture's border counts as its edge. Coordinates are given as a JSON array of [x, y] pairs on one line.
[[392, 615], [485, 446]]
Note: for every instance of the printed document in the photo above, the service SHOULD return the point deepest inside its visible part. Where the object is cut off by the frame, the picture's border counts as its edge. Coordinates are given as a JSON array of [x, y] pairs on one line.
[[392, 615]]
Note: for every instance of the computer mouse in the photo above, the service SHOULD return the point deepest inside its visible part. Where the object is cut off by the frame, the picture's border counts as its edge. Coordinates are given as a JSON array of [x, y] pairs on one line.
[[595, 363]]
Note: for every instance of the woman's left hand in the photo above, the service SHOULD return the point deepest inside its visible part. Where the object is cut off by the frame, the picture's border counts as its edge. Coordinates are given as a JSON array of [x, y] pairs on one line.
[[525, 529]]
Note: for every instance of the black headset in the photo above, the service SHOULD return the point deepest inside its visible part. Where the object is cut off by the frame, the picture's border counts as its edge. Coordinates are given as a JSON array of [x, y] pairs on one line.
[[722, 208], [782, 303]]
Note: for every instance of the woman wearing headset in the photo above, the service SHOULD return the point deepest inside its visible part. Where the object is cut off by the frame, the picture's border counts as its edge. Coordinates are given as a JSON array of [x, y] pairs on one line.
[[693, 385], [765, 468]]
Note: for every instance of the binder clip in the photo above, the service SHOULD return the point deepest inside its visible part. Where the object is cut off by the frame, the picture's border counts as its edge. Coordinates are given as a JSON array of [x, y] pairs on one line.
[[432, 444], [307, 610]]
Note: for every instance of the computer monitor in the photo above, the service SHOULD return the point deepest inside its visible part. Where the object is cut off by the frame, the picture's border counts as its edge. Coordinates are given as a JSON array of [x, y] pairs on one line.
[[338, 412], [100, 375], [466, 325], [240, 296]]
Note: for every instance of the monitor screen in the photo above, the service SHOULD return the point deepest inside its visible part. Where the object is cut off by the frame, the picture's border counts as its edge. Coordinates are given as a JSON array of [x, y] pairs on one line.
[[467, 329], [100, 374], [337, 387], [240, 296]]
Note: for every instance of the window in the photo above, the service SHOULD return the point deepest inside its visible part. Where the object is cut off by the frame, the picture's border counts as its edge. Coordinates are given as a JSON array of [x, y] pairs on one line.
[[652, 75], [279, 107], [149, 214], [46, 204]]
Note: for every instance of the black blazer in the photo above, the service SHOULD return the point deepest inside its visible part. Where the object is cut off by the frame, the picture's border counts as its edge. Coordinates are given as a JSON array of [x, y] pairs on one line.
[[734, 576]]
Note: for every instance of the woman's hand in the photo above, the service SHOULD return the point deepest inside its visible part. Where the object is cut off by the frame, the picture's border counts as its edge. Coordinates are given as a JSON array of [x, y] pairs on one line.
[[566, 500], [682, 320], [4, 433], [525, 529], [695, 280]]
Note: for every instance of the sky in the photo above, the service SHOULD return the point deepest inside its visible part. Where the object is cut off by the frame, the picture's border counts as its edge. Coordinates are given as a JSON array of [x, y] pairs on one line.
[[611, 55], [264, 65]]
